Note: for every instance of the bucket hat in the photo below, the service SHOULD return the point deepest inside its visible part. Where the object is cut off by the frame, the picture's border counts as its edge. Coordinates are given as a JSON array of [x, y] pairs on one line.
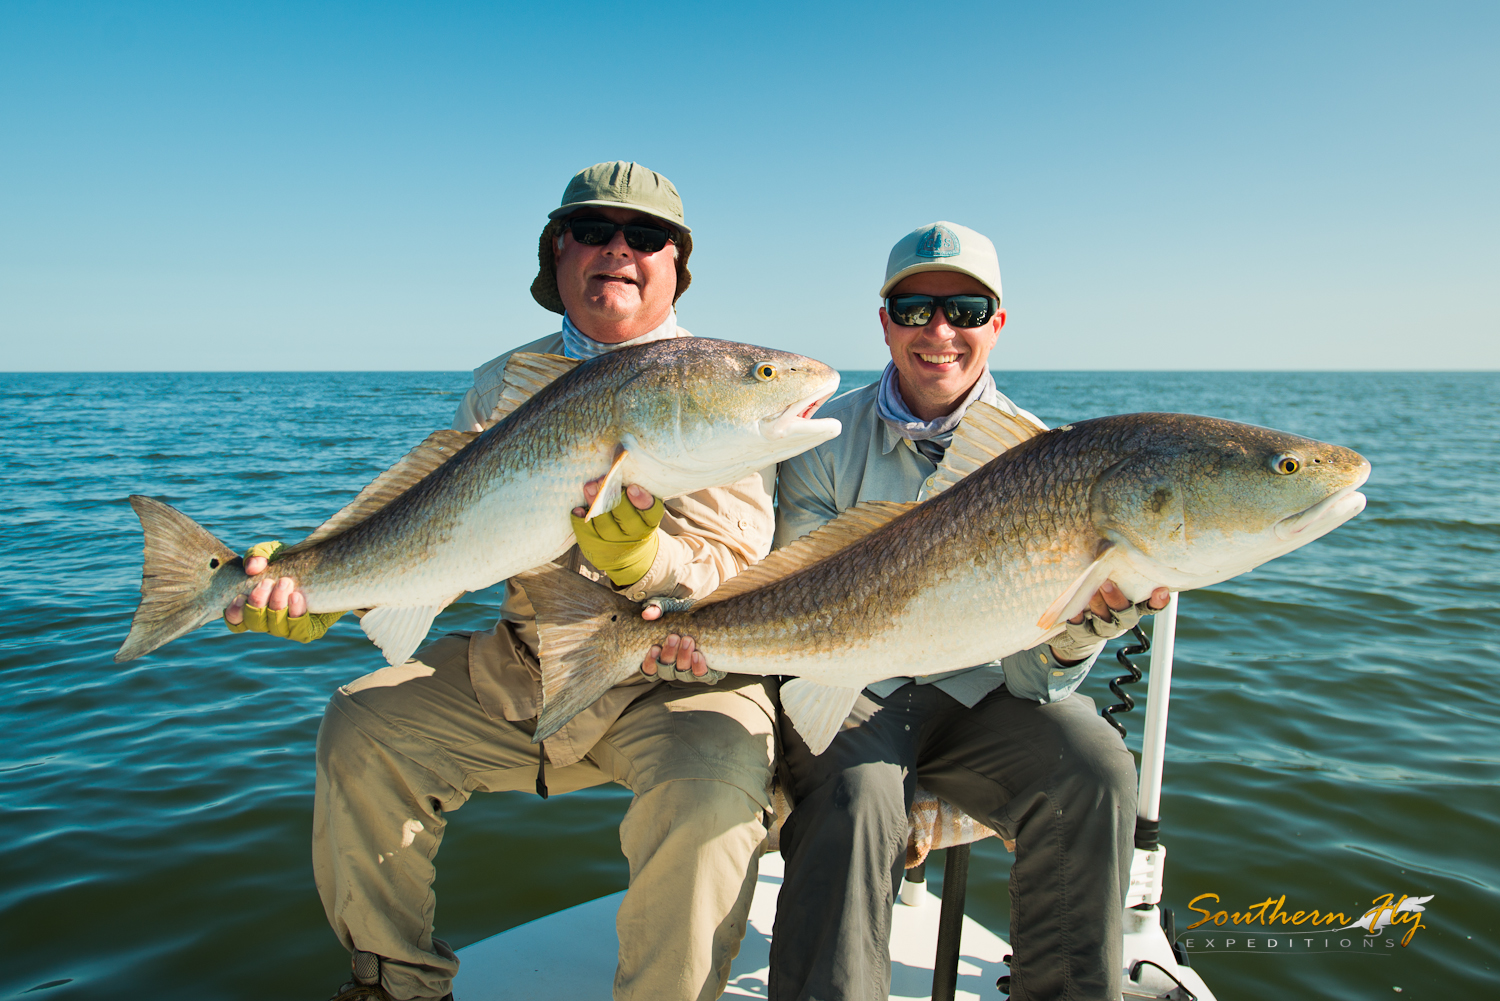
[[616, 184]]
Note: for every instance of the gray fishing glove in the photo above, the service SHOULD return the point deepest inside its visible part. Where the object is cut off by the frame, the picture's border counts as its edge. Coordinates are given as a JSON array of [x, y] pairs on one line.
[[1080, 640], [668, 671]]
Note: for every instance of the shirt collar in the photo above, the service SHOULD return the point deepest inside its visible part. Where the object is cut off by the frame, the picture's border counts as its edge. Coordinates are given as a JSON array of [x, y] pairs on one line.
[[900, 422], [580, 347]]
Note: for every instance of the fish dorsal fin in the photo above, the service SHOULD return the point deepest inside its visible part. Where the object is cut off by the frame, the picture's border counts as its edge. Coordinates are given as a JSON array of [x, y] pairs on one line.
[[526, 374], [411, 468], [840, 533], [984, 433]]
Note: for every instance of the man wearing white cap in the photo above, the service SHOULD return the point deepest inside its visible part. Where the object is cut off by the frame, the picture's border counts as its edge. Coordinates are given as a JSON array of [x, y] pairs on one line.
[[1009, 742]]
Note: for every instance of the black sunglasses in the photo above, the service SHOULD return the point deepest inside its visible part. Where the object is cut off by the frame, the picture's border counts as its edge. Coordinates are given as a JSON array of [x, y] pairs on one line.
[[638, 236], [961, 310]]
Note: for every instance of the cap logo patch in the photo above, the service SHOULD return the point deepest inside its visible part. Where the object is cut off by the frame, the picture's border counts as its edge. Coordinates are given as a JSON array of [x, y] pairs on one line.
[[939, 241]]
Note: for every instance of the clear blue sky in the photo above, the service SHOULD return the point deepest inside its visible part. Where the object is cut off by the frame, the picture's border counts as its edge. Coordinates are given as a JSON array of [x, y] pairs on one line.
[[360, 185]]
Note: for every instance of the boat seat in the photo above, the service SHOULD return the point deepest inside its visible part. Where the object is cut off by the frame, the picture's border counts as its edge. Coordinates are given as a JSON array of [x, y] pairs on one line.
[[932, 823]]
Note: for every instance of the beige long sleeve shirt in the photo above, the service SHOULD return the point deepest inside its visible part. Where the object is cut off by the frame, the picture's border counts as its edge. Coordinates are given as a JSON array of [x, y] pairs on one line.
[[707, 537]]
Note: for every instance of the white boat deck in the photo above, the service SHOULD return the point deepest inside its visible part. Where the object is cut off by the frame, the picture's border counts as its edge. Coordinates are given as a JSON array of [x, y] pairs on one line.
[[571, 954]]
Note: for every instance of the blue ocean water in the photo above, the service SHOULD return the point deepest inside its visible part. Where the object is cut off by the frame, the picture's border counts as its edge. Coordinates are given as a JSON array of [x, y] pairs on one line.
[[1333, 725]]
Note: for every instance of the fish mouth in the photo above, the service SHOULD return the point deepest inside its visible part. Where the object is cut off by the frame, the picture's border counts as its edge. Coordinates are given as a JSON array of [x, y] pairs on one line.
[[1326, 515], [797, 418]]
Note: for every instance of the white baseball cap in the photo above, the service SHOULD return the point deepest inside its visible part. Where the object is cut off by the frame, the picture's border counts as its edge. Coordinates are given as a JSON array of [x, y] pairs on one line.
[[943, 246]]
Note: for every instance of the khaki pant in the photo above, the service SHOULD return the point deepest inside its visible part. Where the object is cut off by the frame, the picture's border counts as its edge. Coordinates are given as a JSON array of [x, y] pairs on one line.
[[394, 762]]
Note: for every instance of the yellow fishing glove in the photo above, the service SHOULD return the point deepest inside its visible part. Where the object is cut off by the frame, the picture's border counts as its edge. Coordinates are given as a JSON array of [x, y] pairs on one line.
[[622, 541], [275, 622]]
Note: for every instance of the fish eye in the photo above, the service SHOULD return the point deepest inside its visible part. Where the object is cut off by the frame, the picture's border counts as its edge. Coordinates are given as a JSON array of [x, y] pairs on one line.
[[765, 371], [1286, 464]]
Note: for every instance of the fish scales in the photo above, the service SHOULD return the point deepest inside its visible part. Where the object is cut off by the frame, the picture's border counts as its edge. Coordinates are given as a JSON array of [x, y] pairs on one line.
[[673, 416], [979, 536], [994, 564], [541, 453]]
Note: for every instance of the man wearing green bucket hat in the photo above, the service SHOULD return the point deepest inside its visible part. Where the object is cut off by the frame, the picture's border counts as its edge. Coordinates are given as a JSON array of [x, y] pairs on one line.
[[396, 758]]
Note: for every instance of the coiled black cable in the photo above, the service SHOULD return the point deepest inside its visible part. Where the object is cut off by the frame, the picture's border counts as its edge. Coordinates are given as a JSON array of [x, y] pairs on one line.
[[1123, 655]]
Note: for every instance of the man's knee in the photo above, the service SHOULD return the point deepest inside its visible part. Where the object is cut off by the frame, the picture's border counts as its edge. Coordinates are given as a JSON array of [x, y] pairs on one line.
[[693, 827], [871, 789], [867, 800], [730, 723], [706, 807], [725, 738], [1092, 758], [1102, 773]]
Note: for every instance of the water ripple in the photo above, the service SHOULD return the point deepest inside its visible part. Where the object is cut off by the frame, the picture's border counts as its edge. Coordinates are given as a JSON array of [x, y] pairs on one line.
[[1332, 731]]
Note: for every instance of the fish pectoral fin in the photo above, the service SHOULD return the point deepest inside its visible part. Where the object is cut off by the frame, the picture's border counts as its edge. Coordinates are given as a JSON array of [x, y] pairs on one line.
[[413, 467], [610, 488], [985, 432], [526, 374], [1076, 597], [399, 629], [839, 534], [817, 711]]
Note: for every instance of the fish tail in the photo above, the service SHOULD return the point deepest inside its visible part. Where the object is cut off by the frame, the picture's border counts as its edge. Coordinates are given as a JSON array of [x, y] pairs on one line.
[[582, 652], [177, 578]]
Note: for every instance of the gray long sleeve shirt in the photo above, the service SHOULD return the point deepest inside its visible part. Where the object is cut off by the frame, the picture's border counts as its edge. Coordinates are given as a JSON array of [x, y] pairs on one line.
[[870, 462]]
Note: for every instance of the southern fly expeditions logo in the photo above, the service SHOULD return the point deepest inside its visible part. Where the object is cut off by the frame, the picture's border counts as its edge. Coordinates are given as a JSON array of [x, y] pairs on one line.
[[1268, 926]]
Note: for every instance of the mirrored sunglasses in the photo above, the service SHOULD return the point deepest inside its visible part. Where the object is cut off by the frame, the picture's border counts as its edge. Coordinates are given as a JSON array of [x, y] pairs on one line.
[[961, 310]]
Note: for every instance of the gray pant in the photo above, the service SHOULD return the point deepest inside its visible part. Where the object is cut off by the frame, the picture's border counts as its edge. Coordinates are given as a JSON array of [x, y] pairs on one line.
[[394, 761], [1054, 778]]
